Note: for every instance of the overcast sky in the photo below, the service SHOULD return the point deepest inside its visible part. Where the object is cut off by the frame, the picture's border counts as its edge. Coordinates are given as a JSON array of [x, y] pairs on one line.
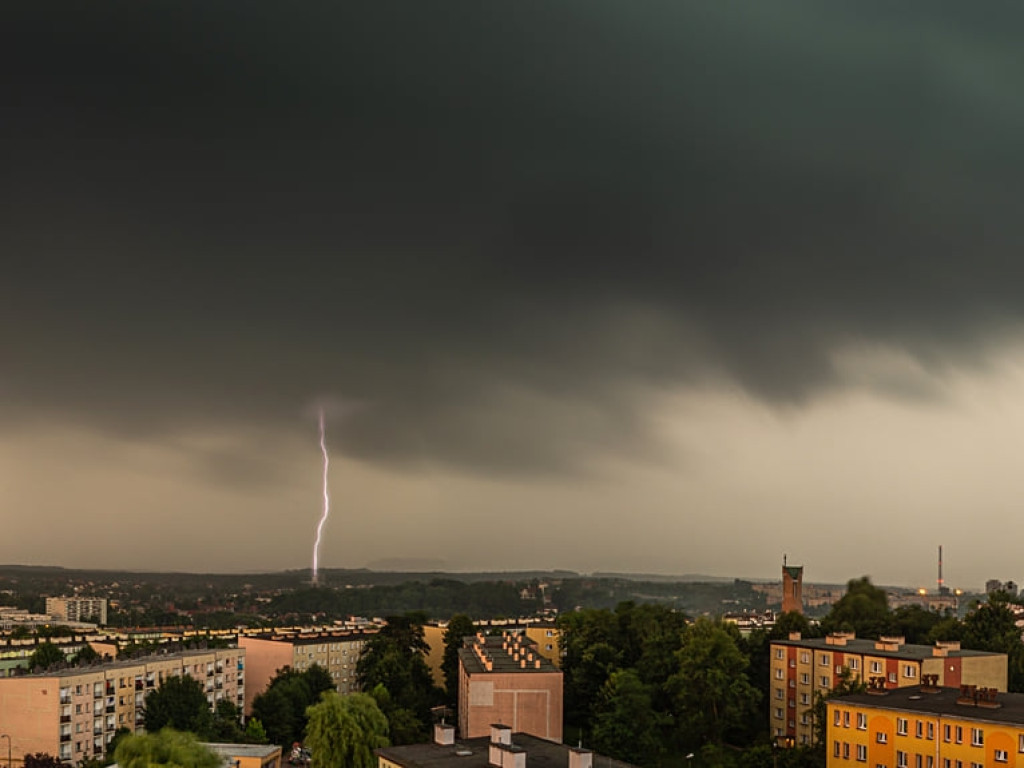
[[664, 287]]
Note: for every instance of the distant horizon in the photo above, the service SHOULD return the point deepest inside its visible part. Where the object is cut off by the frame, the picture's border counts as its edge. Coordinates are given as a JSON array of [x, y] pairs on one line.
[[635, 575]]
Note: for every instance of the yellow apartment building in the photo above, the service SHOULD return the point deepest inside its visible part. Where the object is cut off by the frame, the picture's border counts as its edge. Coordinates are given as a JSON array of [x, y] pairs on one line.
[[73, 713], [926, 726], [802, 668], [267, 654]]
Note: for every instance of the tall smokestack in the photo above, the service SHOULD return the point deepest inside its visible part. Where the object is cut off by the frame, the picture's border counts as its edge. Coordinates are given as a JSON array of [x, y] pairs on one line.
[[940, 569]]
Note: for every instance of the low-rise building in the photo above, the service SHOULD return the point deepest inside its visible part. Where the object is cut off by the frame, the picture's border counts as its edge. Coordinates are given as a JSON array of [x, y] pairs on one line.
[[500, 748], [247, 755], [73, 713], [504, 679], [926, 726], [804, 667]]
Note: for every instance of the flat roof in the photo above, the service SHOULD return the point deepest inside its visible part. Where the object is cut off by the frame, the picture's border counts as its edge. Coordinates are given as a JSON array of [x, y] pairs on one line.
[[939, 701], [315, 639], [867, 647], [243, 750], [474, 753], [502, 661], [100, 666]]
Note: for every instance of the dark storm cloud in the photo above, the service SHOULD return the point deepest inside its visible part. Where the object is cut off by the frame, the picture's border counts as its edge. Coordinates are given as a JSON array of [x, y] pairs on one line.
[[492, 228]]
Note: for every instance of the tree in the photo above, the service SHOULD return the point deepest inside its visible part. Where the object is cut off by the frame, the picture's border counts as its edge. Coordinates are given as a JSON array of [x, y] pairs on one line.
[[395, 659], [864, 609], [711, 692], [625, 724], [179, 703], [915, 623], [46, 655], [459, 627], [992, 627], [119, 735], [86, 655], [42, 760], [845, 685], [254, 732], [282, 707], [227, 723], [344, 731], [166, 748]]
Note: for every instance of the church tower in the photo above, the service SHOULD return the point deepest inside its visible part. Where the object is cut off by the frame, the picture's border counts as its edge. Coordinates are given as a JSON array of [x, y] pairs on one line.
[[792, 587]]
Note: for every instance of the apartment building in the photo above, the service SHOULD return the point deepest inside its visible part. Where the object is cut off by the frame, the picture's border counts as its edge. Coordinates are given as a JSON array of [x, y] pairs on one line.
[[92, 609], [504, 679], [543, 633], [267, 654], [73, 713], [801, 668], [926, 726]]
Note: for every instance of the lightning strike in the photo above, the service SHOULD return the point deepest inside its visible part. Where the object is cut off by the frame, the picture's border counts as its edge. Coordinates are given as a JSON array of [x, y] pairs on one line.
[[327, 499]]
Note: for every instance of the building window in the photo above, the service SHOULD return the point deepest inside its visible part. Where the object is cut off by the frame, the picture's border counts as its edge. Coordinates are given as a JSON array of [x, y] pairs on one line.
[[824, 681], [825, 661], [892, 677], [792, 663], [909, 670], [919, 729], [947, 730], [1002, 756], [977, 737], [862, 753], [778, 712], [779, 694], [876, 667], [853, 663], [959, 735], [805, 658], [779, 653], [945, 762], [838, 718], [901, 759], [835, 749], [779, 674], [901, 726], [792, 703], [805, 679], [805, 698], [862, 721], [931, 731], [929, 761], [881, 737], [846, 719], [846, 750], [918, 761], [792, 683]]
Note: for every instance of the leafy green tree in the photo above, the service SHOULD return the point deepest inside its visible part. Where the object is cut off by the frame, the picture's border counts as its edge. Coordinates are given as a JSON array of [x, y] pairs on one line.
[[86, 655], [179, 703], [395, 659], [711, 692], [46, 655], [625, 724], [344, 731], [119, 735], [254, 732], [915, 623], [864, 609], [844, 686], [165, 748], [791, 621], [992, 627], [282, 707], [42, 760], [226, 726], [459, 626]]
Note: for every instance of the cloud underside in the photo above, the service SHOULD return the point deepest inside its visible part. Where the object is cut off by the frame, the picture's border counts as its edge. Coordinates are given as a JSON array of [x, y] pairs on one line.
[[493, 238]]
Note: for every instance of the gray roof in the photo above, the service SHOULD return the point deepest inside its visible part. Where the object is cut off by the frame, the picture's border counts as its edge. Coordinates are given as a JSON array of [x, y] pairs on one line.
[[502, 660], [243, 750], [867, 647], [540, 753], [939, 701]]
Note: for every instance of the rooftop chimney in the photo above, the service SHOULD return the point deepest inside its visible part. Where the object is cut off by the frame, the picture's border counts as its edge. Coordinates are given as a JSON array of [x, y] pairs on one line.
[[501, 734], [444, 735], [580, 758]]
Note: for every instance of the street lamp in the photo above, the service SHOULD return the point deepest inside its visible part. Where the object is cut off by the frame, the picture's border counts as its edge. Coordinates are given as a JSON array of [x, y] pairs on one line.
[[5, 736]]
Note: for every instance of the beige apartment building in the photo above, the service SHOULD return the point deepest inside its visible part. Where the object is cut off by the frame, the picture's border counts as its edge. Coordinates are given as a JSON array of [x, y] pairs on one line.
[[506, 680], [267, 654], [543, 633], [77, 609], [73, 713], [802, 668]]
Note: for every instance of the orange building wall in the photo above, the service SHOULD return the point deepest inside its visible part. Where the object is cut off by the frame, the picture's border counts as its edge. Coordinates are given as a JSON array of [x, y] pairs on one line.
[[527, 702], [434, 635], [263, 658], [31, 712]]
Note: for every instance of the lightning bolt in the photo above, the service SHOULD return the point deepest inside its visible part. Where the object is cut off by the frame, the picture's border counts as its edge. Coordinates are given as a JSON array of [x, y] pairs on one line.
[[327, 498]]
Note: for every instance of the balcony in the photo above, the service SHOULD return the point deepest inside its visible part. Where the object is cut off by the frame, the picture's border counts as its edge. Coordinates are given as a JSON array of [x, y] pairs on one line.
[[110, 689], [138, 685], [65, 698], [65, 737], [65, 718], [109, 709]]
